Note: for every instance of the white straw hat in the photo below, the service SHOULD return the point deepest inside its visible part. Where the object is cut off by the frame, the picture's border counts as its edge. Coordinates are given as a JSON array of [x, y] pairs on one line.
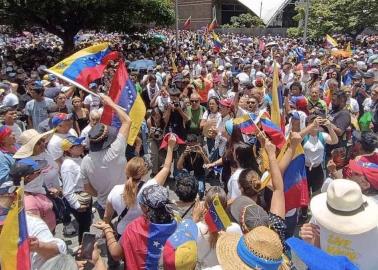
[[344, 210], [28, 140]]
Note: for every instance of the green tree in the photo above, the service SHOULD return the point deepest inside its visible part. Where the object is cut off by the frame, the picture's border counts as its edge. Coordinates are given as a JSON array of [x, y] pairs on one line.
[[246, 20], [65, 18], [337, 16]]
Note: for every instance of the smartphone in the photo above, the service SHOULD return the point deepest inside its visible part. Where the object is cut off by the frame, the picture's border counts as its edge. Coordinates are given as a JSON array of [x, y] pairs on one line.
[[87, 245]]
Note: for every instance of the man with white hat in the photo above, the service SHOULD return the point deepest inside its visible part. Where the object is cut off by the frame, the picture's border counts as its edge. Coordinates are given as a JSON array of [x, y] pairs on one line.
[[345, 222]]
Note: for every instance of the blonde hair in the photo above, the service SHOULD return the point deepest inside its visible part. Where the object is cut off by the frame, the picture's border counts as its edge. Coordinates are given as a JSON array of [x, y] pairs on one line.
[[135, 170]]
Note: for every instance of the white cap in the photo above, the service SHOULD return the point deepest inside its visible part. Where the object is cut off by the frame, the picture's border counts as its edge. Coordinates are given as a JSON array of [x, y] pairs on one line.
[[221, 68]]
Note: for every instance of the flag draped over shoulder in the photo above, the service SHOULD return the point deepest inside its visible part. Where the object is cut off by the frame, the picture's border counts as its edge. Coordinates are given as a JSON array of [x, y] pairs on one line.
[[295, 182], [87, 64], [123, 93], [14, 245], [331, 41]]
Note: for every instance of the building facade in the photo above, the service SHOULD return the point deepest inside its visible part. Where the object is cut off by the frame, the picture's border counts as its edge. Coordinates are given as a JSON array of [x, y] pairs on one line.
[[203, 11]]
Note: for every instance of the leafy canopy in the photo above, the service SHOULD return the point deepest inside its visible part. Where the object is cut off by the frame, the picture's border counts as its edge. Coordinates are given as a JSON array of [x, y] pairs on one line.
[[246, 20]]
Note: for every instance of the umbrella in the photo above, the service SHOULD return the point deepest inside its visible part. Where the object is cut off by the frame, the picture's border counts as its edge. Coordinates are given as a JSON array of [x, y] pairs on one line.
[[142, 64], [160, 37]]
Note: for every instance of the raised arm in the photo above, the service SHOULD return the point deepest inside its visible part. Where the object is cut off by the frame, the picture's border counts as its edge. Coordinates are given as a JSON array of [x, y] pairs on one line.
[[164, 172], [122, 115], [295, 140]]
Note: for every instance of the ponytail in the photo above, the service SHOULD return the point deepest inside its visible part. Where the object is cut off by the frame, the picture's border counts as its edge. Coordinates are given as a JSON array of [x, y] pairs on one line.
[[129, 193]]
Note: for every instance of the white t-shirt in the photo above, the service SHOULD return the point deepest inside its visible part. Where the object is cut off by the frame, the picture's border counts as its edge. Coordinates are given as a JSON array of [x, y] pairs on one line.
[[213, 93], [93, 102], [38, 228], [207, 256], [367, 104], [213, 116], [314, 149], [105, 169], [353, 104], [233, 185], [54, 147]]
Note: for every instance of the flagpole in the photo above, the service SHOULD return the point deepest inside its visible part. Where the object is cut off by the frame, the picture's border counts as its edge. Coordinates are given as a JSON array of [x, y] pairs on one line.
[[177, 23], [78, 85], [306, 21]]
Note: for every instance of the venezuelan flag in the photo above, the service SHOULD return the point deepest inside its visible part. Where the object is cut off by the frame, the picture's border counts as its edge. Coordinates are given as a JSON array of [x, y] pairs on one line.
[[86, 65], [212, 25], [216, 217], [180, 250], [276, 116], [14, 245], [123, 93], [295, 182], [331, 41], [216, 42]]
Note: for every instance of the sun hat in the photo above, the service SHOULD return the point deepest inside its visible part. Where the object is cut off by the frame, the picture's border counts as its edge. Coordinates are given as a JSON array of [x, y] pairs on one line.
[[261, 248], [343, 209], [28, 140], [317, 259], [58, 118], [70, 141], [101, 137], [180, 250], [248, 214]]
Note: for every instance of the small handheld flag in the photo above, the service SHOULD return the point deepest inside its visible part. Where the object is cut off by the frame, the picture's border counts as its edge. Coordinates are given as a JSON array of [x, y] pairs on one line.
[[188, 23], [331, 41], [86, 65], [216, 217]]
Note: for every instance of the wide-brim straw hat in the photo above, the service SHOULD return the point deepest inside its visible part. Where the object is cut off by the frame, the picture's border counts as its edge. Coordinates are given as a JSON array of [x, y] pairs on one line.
[[261, 248], [344, 209], [28, 140]]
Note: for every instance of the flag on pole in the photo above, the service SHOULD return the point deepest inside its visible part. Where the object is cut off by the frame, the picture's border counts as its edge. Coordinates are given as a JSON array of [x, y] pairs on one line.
[[216, 42], [123, 93], [14, 247], [276, 116], [216, 217], [188, 23], [212, 25], [331, 41], [86, 65]]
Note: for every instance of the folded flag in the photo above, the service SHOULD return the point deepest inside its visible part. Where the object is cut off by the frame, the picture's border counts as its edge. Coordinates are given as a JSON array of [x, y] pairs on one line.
[[317, 259], [123, 93], [331, 41], [295, 182], [164, 143], [14, 247], [86, 65], [188, 23], [216, 217], [180, 250]]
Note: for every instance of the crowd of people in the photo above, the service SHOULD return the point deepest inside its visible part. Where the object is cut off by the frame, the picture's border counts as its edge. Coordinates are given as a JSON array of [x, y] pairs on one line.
[[52, 143]]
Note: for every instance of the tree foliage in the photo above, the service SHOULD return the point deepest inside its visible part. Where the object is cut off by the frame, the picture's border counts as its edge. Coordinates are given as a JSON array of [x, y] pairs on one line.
[[246, 20], [337, 16], [65, 18]]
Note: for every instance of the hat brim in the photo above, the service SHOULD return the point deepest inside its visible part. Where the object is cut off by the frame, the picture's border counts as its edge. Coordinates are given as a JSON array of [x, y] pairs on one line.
[[227, 254], [98, 146], [359, 223], [27, 149]]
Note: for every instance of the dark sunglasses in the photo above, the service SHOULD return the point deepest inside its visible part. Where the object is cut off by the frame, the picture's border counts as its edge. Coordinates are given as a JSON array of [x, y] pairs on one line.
[[194, 101], [251, 102]]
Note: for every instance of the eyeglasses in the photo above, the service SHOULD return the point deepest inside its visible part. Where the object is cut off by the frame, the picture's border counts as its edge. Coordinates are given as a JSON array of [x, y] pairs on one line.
[[194, 101], [251, 102]]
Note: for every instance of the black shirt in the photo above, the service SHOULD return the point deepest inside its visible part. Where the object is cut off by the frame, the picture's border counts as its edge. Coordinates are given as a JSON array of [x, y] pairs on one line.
[[194, 162]]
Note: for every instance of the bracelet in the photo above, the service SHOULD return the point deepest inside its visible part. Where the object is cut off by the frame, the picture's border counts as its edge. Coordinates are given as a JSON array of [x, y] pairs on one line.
[[109, 244]]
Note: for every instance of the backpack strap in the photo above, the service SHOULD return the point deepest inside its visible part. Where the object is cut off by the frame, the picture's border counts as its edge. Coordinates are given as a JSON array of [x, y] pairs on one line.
[[124, 212], [321, 138]]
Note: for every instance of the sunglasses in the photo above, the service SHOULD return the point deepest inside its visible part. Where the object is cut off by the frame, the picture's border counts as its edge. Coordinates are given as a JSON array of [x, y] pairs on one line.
[[194, 101], [251, 102]]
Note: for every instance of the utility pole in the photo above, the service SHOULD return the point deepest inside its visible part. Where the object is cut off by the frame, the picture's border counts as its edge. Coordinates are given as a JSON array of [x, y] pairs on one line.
[[177, 24], [306, 21], [260, 9]]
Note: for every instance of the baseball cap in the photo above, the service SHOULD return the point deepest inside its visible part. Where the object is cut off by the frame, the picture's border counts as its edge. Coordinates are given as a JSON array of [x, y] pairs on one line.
[[25, 167], [70, 141], [92, 85], [226, 102], [59, 118]]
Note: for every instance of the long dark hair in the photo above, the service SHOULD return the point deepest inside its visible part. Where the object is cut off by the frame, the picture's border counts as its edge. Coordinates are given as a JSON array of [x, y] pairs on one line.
[[157, 111], [245, 156]]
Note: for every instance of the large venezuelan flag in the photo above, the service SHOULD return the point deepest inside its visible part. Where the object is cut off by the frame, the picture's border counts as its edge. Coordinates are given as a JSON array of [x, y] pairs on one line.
[[14, 245], [123, 92], [216, 217], [216, 42], [295, 182], [143, 243], [86, 65]]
